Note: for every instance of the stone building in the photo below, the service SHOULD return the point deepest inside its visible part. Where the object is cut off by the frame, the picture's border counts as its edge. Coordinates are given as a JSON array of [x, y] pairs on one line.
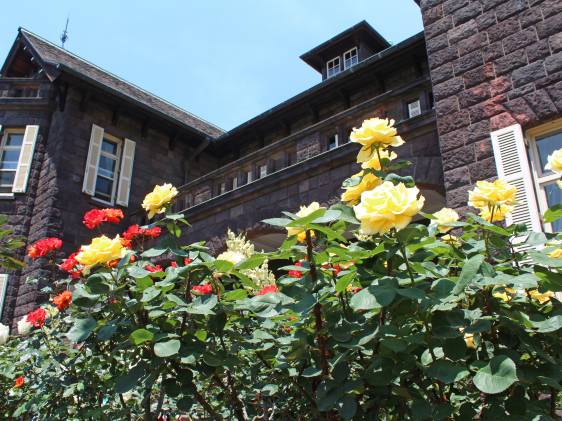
[[476, 95]]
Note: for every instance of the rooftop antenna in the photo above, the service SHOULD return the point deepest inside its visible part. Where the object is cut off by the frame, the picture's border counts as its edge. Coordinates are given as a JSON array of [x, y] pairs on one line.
[[64, 35]]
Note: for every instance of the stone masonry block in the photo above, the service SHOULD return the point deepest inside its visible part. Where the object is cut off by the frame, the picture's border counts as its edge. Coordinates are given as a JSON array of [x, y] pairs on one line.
[[528, 73]]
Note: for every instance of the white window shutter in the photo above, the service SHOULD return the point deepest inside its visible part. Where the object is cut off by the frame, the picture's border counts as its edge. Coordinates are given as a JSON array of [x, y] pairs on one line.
[[25, 160], [126, 173], [3, 288], [513, 166], [91, 172]]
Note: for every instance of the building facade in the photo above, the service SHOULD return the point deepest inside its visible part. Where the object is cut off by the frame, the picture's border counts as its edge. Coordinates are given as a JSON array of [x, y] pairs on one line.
[[476, 95]]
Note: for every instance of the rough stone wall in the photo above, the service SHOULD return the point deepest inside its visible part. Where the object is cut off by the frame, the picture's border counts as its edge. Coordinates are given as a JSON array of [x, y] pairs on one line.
[[493, 63], [29, 214]]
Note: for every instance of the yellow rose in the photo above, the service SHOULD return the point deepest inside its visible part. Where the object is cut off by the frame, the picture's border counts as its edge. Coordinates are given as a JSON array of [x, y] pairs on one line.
[[555, 161], [556, 253], [375, 133], [368, 182], [233, 257], [506, 295], [487, 194], [541, 297], [374, 163], [304, 211], [469, 340], [443, 217], [101, 250], [388, 206], [451, 240], [156, 201], [500, 212]]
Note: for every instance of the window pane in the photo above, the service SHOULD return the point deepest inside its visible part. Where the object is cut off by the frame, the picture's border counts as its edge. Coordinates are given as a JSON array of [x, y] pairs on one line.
[[14, 139], [106, 166], [7, 178], [104, 188], [554, 197], [9, 160], [109, 147], [547, 145]]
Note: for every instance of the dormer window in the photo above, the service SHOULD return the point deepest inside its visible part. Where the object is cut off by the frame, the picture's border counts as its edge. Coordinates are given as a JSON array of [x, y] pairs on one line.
[[333, 67], [350, 58]]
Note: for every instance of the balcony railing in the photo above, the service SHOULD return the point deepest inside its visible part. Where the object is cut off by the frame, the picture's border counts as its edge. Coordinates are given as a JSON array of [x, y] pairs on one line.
[[216, 184]]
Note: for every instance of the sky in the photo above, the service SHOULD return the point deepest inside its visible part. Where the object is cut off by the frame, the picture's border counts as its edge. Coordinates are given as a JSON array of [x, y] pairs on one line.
[[225, 61]]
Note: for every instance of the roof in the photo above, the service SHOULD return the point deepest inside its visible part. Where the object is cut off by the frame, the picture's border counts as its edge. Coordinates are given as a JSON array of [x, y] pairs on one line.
[[363, 28], [65, 61], [378, 58]]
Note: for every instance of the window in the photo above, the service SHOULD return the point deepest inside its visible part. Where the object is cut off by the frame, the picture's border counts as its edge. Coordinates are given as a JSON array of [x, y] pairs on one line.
[[10, 150], [263, 170], [249, 176], [350, 58], [543, 141], [414, 108], [333, 142], [108, 164], [234, 183], [333, 67], [222, 188]]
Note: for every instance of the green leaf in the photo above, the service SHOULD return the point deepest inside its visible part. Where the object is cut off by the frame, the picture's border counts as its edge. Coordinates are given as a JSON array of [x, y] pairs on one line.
[[311, 372], [129, 380], [82, 297], [140, 336], [347, 407], [154, 252], [81, 330], [234, 295], [446, 371], [552, 214], [167, 349], [149, 294], [551, 324], [223, 265], [278, 222], [543, 259], [106, 332], [373, 297], [330, 216], [496, 376], [252, 262], [468, 273], [137, 272]]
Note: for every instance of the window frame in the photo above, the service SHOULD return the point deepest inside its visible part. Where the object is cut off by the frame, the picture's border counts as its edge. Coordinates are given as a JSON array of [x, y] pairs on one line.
[[337, 137], [345, 67], [338, 59], [541, 179], [413, 101], [263, 174], [6, 132], [116, 174]]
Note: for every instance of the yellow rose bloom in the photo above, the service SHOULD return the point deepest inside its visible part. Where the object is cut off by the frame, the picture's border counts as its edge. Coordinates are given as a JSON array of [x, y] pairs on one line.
[[500, 212], [496, 193], [353, 194], [555, 161], [506, 295], [375, 133], [304, 211], [541, 297], [101, 250], [388, 206], [556, 253], [233, 257], [156, 201], [451, 240], [374, 163], [443, 217], [469, 340]]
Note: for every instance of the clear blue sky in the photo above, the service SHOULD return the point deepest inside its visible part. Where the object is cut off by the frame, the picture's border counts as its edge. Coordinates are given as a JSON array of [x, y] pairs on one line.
[[225, 61]]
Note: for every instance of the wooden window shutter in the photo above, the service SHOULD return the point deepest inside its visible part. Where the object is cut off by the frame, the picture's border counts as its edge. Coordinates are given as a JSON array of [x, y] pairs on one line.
[[3, 288], [25, 160], [126, 173], [513, 166], [91, 172]]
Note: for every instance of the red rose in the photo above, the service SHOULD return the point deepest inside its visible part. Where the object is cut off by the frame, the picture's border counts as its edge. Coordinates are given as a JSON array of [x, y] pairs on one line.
[[156, 268], [174, 264], [268, 290], [296, 273], [153, 232], [20, 381], [75, 274], [132, 232], [187, 261], [94, 218], [37, 317], [69, 263], [113, 215], [203, 289], [63, 300], [43, 247]]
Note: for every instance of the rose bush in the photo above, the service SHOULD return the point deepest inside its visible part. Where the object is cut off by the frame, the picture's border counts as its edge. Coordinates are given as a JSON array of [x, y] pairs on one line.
[[377, 312]]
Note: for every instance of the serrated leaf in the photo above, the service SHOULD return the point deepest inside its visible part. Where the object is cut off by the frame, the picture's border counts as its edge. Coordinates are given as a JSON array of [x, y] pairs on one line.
[[468, 273]]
